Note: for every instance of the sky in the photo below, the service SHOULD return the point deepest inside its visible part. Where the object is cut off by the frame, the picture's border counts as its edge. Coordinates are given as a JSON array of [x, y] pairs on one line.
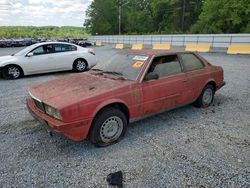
[[43, 12]]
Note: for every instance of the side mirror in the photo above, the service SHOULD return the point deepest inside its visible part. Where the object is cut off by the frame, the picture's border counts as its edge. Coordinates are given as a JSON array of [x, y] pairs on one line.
[[30, 54], [151, 76]]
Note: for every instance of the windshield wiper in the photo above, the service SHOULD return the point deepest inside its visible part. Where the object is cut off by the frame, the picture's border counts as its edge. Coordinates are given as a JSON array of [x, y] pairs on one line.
[[113, 72], [120, 75]]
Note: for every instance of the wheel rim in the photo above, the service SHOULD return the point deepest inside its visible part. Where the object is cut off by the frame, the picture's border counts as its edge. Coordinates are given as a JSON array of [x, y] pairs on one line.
[[207, 96], [111, 129], [14, 72], [81, 65]]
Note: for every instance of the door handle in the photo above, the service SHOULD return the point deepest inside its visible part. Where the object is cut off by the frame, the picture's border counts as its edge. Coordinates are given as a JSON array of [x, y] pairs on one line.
[[184, 81]]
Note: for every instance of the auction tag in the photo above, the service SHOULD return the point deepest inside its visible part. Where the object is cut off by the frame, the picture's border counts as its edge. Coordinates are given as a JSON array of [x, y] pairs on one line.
[[137, 64], [140, 58]]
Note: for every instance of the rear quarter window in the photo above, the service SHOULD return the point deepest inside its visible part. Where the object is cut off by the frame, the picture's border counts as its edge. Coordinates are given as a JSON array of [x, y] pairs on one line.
[[191, 62]]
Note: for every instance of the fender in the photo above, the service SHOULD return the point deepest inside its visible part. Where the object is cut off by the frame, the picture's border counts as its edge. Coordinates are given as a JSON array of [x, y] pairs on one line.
[[8, 64], [106, 103], [210, 80]]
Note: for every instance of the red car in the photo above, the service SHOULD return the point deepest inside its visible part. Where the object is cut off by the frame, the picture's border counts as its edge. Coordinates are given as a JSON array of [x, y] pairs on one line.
[[99, 104]]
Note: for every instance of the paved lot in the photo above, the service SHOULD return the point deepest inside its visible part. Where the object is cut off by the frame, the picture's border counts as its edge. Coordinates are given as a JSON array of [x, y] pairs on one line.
[[186, 147]]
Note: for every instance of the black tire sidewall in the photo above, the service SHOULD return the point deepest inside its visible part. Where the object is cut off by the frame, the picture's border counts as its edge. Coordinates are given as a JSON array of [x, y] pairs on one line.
[[201, 97], [95, 137]]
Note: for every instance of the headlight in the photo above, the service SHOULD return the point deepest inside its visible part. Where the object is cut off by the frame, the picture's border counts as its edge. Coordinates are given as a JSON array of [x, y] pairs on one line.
[[52, 112]]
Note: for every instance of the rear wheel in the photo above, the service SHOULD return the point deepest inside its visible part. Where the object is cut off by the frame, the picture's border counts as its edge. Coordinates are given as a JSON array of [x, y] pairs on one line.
[[12, 72], [108, 127], [206, 97], [80, 65]]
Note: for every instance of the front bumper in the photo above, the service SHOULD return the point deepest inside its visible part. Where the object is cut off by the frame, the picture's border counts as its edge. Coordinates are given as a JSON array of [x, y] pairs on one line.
[[76, 131]]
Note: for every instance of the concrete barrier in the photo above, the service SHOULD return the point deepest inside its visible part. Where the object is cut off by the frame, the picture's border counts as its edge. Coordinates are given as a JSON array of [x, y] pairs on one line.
[[137, 47], [198, 47], [119, 46], [99, 43], [162, 46], [238, 49], [190, 47]]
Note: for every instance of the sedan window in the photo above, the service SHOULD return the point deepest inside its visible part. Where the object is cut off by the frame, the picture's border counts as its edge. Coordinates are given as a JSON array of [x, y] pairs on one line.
[[191, 62], [70, 47], [165, 66], [44, 49], [64, 48]]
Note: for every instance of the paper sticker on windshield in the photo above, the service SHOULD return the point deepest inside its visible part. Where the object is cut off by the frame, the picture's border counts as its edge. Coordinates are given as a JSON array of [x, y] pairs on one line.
[[138, 64], [140, 58]]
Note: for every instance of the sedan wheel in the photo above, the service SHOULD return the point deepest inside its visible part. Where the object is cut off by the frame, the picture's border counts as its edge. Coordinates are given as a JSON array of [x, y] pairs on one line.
[[12, 72], [108, 127], [111, 129], [80, 65], [206, 97]]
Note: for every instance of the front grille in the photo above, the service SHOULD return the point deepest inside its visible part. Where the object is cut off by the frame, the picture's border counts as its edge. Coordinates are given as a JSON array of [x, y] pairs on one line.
[[39, 105]]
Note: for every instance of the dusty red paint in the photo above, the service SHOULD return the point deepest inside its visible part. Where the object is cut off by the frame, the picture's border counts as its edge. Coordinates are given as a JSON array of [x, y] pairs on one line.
[[79, 97]]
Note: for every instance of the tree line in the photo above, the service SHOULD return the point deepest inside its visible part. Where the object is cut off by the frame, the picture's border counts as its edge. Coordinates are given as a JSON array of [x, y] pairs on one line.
[[42, 32], [168, 16]]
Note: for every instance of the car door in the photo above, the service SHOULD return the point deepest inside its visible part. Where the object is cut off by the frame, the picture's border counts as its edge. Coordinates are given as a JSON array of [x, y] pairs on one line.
[[65, 56], [196, 73], [40, 59], [168, 91]]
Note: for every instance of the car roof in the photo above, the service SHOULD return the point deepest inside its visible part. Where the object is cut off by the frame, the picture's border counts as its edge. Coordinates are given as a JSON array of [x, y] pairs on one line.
[[151, 52], [53, 42]]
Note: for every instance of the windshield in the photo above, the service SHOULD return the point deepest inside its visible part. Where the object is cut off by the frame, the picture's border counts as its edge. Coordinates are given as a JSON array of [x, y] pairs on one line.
[[25, 50], [127, 66]]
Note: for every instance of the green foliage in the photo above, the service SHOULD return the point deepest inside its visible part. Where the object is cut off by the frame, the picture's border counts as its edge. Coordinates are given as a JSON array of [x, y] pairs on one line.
[[41, 32], [224, 16], [142, 16], [168, 16], [102, 17], [149, 17]]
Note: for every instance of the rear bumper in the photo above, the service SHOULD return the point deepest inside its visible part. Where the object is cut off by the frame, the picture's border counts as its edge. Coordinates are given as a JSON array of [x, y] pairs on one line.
[[76, 131], [220, 85]]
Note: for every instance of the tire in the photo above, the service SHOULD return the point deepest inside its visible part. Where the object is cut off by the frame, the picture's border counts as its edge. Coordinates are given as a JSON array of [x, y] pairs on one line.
[[80, 65], [206, 97], [109, 127], [12, 72]]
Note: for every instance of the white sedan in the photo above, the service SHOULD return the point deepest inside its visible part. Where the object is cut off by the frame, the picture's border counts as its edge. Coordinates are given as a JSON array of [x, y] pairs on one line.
[[47, 57]]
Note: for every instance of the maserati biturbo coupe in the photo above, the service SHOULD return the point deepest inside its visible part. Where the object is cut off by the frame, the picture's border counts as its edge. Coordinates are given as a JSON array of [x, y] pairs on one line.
[[99, 104]]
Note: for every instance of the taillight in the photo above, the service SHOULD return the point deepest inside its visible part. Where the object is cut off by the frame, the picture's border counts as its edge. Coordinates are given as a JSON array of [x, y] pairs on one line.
[[91, 51]]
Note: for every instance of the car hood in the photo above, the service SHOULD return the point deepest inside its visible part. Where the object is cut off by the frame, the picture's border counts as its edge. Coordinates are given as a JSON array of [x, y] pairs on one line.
[[6, 58], [73, 88]]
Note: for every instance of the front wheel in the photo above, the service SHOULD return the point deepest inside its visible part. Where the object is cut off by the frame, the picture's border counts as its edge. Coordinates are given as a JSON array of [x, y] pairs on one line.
[[12, 72], [80, 65], [108, 127], [206, 97]]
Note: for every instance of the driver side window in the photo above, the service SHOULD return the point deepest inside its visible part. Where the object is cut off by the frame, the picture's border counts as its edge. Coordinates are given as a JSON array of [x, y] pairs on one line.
[[44, 49], [165, 66]]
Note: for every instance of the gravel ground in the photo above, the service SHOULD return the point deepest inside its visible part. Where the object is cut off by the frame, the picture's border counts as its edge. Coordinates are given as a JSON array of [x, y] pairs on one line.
[[186, 147]]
